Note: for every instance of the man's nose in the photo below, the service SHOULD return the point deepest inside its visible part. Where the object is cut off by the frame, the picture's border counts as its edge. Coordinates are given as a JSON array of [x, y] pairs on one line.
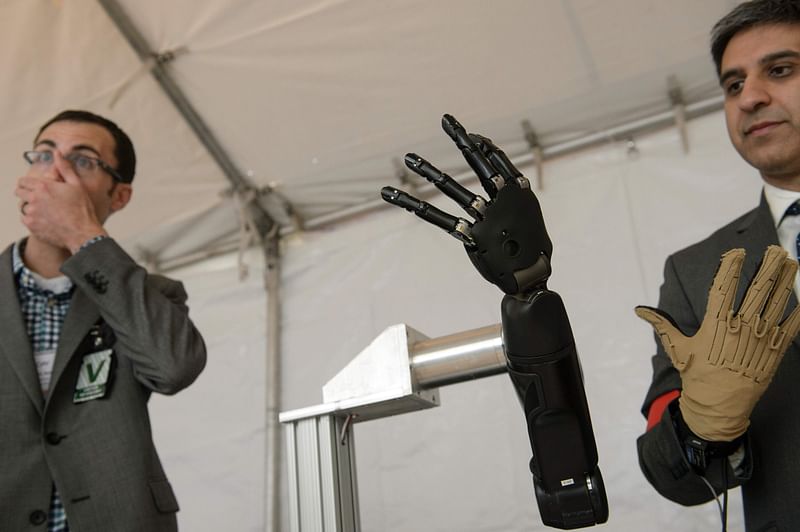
[[754, 95]]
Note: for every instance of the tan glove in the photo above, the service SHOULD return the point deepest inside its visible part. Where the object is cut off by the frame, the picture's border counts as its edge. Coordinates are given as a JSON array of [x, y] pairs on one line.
[[728, 364]]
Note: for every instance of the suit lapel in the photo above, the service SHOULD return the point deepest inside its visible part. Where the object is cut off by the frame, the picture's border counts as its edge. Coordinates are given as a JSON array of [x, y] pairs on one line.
[[756, 232], [81, 316], [14, 342]]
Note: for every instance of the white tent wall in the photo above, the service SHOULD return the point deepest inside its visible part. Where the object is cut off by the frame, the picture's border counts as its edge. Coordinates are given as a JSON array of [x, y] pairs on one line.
[[211, 436], [613, 216]]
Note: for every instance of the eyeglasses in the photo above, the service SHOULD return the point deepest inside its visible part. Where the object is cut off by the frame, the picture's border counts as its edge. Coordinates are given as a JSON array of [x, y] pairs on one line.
[[84, 165]]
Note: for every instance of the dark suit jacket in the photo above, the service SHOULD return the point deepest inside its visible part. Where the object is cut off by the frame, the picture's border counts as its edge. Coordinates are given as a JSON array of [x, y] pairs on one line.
[[770, 495], [99, 453]]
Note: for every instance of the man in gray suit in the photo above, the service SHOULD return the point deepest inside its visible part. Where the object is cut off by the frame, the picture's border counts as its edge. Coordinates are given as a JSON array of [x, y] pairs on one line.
[[87, 335], [714, 421]]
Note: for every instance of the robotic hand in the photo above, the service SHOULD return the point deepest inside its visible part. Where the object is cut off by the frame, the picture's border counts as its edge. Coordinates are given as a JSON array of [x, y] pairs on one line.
[[508, 244]]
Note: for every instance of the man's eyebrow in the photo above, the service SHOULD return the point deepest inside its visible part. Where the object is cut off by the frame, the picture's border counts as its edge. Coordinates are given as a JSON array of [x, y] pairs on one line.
[[52, 144], [85, 147], [775, 56], [46, 142]]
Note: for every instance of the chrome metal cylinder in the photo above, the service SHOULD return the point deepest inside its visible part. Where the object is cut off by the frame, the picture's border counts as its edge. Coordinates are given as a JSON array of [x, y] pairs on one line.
[[459, 357]]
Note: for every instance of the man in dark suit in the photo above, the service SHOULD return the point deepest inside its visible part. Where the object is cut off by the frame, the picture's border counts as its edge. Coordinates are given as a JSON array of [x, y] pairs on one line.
[[86, 335], [729, 427]]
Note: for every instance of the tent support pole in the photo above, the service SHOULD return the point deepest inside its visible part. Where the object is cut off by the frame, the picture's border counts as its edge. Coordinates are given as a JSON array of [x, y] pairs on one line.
[[161, 74], [271, 237], [272, 443]]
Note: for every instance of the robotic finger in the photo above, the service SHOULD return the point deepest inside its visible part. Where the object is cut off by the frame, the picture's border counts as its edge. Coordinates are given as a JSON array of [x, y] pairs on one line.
[[473, 204], [458, 227], [488, 175], [500, 160]]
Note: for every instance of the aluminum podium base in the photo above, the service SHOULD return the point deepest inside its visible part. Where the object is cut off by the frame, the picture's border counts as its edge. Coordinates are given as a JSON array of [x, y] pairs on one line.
[[399, 372]]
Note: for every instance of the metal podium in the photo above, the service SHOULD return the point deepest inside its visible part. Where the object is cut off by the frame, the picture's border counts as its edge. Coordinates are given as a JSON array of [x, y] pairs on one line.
[[399, 372]]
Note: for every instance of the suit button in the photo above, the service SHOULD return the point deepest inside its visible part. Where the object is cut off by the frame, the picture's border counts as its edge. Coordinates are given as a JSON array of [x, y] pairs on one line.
[[53, 438], [37, 517], [97, 281]]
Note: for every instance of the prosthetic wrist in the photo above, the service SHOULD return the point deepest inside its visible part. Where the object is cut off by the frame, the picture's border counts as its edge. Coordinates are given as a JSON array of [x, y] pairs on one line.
[[728, 364]]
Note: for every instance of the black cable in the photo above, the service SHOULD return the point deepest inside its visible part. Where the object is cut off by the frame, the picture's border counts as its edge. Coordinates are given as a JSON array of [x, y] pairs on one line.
[[716, 499], [723, 508], [724, 462]]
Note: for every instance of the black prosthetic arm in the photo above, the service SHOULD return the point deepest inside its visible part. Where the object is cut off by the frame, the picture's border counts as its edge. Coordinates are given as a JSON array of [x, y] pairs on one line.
[[544, 367], [509, 246]]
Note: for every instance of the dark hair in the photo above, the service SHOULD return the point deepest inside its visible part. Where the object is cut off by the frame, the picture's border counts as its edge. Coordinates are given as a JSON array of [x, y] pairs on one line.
[[747, 15], [123, 147]]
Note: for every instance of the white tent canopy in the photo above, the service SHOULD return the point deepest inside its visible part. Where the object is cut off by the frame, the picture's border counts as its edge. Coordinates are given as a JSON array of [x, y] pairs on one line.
[[313, 103], [319, 100]]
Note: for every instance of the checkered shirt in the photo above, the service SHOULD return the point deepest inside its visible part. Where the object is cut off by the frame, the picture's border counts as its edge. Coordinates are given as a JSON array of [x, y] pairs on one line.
[[43, 312]]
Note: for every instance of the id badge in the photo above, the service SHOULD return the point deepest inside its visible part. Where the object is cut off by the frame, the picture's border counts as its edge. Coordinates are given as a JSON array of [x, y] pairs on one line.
[[93, 376]]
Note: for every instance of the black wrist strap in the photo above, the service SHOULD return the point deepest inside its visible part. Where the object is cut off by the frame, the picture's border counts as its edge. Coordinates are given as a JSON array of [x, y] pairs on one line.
[[700, 452]]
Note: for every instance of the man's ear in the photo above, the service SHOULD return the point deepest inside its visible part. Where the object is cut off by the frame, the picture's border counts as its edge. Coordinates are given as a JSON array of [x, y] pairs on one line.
[[120, 196]]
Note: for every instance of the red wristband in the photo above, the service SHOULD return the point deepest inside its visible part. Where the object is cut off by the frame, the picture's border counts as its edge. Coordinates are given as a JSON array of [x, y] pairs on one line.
[[658, 406]]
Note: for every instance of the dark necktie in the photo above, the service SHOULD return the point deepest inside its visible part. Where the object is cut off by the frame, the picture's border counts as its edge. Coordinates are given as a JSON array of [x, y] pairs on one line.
[[794, 210]]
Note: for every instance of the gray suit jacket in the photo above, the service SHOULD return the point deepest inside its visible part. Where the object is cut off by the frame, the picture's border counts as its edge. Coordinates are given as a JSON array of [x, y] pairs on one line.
[[100, 453], [772, 464]]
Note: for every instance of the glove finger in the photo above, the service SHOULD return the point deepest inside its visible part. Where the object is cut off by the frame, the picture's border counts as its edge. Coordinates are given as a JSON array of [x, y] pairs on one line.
[[723, 288], [769, 363], [779, 340], [752, 360], [761, 286], [667, 332], [776, 305]]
